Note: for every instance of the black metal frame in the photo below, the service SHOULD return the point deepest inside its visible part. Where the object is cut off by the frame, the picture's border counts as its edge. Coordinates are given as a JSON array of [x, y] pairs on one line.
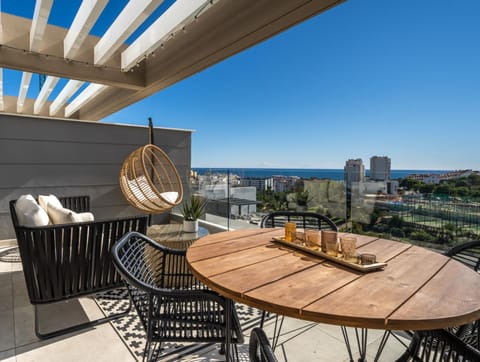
[[172, 305], [468, 254], [259, 349], [439, 345], [62, 262], [302, 219]]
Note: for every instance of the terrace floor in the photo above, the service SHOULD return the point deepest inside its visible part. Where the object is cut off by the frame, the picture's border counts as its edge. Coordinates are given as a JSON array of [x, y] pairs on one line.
[[300, 340]]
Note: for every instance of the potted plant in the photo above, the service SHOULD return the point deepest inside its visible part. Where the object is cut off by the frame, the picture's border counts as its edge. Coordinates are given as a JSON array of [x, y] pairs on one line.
[[192, 210]]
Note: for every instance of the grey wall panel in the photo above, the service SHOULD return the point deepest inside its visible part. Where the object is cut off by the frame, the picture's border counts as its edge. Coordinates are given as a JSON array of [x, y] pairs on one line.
[[43, 156]]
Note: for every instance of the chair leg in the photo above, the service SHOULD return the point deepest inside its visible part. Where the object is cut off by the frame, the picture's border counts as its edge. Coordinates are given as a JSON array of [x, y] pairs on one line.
[[151, 351], [77, 327]]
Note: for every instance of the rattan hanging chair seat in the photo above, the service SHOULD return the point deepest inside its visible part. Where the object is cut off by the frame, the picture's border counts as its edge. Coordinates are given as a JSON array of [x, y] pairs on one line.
[[149, 180]]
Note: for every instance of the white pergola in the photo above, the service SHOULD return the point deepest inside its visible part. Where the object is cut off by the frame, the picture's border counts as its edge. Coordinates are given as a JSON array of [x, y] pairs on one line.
[[185, 39]]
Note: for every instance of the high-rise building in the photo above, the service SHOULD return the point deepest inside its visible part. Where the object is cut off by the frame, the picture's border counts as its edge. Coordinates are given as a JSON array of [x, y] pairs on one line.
[[354, 171], [380, 168]]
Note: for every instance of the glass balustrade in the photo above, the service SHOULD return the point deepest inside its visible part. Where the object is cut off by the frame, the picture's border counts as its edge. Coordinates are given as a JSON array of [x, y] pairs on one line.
[[437, 215]]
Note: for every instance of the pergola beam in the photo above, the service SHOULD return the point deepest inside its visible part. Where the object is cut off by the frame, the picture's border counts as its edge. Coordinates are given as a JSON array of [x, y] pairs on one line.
[[225, 29], [39, 23], [58, 67], [42, 98], [173, 18], [37, 29], [86, 16], [131, 17], [86, 96], [67, 92], [22, 94]]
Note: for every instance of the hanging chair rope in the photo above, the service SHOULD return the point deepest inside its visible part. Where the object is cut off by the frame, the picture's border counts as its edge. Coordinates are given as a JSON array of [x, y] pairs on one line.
[[149, 180]]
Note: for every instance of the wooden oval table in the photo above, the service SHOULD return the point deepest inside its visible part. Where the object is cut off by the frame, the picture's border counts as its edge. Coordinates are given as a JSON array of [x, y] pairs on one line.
[[419, 289]]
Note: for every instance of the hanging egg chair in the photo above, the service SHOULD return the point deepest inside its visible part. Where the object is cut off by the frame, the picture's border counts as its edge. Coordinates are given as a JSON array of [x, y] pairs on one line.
[[149, 180]]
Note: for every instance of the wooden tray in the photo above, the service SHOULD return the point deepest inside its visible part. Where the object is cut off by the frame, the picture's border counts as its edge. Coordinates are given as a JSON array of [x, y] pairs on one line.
[[338, 260]]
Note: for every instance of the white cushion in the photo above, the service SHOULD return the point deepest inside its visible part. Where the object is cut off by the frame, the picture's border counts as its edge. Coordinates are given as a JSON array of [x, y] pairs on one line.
[[60, 215], [82, 216], [29, 213], [45, 200], [170, 196]]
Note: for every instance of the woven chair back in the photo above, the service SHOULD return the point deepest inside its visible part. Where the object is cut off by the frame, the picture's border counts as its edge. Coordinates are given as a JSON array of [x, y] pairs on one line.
[[149, 180]]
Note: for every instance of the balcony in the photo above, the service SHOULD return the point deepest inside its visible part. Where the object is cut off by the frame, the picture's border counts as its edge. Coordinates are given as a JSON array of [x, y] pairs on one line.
[[40, 154]]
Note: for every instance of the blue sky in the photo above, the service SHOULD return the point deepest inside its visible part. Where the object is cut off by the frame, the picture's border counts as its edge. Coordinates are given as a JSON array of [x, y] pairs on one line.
[[369, 77]]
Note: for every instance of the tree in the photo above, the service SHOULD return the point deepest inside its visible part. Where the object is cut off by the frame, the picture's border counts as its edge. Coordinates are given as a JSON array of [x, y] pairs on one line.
[[426, 188]]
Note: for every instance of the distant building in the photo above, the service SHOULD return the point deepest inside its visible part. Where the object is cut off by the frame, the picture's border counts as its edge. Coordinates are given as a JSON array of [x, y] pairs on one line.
[[284, 183], [437, 178], [260, 183], [375, 187], [354, 171], [380, 167]]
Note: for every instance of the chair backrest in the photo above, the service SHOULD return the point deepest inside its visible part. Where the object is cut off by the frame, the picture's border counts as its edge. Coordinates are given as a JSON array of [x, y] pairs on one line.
[[303, 220], [467, 253], [259, 349], [440, 345], [147, 265]]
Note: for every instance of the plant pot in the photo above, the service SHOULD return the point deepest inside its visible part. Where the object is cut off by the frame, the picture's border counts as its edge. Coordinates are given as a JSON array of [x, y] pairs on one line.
[[190, 226]]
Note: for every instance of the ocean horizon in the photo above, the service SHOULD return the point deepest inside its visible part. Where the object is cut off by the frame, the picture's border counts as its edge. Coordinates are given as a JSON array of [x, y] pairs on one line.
[[306, 173]]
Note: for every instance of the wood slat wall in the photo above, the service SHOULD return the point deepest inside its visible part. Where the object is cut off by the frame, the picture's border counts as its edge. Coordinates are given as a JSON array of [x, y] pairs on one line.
[[43, 156]]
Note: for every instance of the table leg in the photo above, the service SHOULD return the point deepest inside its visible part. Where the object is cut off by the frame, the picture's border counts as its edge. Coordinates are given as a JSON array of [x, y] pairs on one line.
[[228, 326], [361, 336]]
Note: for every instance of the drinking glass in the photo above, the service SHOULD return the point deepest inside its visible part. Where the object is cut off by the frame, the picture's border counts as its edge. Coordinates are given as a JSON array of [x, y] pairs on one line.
[[290, 231], [329, 242], [348, 245], [312, 238]]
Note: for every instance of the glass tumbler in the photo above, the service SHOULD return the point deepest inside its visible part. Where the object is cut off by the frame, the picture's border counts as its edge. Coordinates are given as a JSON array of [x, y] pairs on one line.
[[312, 238], [290, 231], [329, 242], [348, 245]]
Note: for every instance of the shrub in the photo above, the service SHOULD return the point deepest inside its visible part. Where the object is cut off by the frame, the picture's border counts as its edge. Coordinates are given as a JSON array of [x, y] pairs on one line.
[[399, 233]]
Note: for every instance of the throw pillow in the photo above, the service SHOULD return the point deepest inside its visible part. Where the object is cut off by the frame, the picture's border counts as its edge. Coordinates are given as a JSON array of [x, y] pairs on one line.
[[82, 216], [45, 200], [29, 213], [60, 215]]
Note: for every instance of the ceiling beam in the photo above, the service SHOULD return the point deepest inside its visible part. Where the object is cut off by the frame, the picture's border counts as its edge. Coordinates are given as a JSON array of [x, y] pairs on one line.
[[86, 16], [66, 93], [59, 67], [173, 18], [92, 91], [131, 17], [39, 23], [42, 98], [22, 94]]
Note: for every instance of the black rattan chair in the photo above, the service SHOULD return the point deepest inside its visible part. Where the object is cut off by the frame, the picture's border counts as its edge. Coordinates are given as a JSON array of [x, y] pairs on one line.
[[439, 345], [304, 220], [62, 262], [469, 254], [259, 349], [172, 305]]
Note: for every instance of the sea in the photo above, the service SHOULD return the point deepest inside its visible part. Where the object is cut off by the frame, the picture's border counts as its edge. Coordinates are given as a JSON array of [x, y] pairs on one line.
[[305, 173]]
